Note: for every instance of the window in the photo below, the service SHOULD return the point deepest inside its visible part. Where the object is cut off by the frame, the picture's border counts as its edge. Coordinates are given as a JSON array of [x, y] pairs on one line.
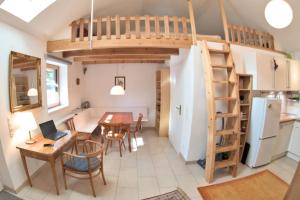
[[57, 85], [53, 89], [25, 9]]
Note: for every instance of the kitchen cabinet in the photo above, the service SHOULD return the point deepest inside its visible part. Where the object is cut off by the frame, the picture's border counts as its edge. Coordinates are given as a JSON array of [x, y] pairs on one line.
[[281, 82], [265, 77], [294, 147], [293, 75], [283, 139]]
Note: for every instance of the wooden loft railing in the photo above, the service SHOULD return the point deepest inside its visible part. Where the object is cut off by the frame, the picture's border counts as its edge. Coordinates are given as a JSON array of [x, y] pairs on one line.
[[129, 32], [243, 35], [250, 37], [138, 27]]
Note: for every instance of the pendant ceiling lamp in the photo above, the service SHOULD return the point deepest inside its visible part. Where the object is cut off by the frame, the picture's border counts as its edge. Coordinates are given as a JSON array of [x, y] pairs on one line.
[[279, 14], [117, 89]]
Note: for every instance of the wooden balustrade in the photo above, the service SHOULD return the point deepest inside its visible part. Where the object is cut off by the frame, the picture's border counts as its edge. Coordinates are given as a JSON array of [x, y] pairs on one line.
[[136, 27], [250, 37]]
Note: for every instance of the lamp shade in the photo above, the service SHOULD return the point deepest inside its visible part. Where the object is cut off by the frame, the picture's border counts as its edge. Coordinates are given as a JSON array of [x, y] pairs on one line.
[[26, 121], [278, 14], [117, 90], [32, 92]]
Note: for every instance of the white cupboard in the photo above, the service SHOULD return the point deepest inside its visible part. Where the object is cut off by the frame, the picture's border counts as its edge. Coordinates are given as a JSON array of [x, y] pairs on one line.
[[294, 147], [282, 139], [293, 75], [281, 82]]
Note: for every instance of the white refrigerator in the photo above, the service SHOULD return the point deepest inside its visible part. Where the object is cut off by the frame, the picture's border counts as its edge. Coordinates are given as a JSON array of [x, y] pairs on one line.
[[264, 127]]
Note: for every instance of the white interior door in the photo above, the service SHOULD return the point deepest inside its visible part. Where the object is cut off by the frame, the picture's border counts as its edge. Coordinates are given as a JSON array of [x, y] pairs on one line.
[[177, 91]]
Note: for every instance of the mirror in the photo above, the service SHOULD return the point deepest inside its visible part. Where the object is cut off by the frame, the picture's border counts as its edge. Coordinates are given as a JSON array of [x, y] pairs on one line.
[[24, 82]]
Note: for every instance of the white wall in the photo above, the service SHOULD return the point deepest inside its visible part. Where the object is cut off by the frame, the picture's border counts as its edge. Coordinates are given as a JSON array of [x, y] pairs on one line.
[[188, 131], [140, 86], [11, 39]]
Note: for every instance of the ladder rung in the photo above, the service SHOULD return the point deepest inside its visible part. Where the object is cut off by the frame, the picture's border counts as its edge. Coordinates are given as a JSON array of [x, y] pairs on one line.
[[225, 98], [226, 132], [224, 163], [218, 51], [222, 66], [226, 115], [223, 82], [221, 149]]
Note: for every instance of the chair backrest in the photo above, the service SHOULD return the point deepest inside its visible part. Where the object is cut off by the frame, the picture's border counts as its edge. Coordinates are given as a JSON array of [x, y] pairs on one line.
[[93, 149], [139, 123], [70, 124], [116, 128]]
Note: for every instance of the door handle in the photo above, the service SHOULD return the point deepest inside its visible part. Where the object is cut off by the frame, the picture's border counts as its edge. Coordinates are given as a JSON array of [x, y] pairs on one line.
[[179, 109]]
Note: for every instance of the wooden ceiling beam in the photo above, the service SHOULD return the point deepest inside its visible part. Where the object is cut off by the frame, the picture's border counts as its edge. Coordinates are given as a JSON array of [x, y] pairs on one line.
[[121, 61], [114, 57], [122, 51]]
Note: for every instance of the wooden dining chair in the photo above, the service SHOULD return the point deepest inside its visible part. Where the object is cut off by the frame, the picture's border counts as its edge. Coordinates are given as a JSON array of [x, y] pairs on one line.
[[80, 138], [115, 132], [138, 127], [85, 165]]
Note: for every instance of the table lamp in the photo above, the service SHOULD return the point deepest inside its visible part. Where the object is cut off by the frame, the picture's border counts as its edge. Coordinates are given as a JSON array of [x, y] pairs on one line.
[[28, 123]]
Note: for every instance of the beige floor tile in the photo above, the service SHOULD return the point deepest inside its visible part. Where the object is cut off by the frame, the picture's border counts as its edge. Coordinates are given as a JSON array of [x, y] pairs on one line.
[[124, 193], [128, 178], [148, 187]]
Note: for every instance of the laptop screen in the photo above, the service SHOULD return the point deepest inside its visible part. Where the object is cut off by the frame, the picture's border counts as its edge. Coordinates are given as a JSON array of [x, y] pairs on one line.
[[48, 128]]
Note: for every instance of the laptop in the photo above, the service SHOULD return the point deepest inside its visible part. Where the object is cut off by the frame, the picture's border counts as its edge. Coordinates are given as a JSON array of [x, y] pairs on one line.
[[49, 131]]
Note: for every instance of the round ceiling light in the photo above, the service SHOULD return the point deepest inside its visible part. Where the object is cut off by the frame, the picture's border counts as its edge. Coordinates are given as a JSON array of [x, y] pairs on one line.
[[278, 14], [117, 90]]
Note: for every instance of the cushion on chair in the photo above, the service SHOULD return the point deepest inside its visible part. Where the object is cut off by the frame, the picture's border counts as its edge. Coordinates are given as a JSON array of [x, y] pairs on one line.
[[81, 164]]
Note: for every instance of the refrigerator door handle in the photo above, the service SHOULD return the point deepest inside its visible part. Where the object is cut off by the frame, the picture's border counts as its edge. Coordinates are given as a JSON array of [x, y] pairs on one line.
[[267, 138]]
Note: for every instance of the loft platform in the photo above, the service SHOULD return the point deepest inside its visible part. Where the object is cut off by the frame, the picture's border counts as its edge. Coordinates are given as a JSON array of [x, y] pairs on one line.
[[128, 32]]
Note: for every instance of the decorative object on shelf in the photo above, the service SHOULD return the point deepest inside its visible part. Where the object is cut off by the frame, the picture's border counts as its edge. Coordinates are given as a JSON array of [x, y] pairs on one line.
[[77, 81], [84, 70], [26, 122], [275, 65], [119, 87], [279, 14], [24, 82]]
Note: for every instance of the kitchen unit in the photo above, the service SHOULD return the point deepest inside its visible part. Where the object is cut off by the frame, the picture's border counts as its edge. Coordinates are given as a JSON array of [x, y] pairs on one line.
[[294, 147], [272, 72], [283, 139], [264, 128]]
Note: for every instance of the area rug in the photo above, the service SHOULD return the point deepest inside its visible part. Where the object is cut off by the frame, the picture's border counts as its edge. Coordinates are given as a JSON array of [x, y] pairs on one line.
[[174, 195], [7, 196], [260, 186]]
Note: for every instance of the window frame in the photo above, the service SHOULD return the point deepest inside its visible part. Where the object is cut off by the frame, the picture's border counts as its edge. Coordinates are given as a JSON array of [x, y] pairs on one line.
[[57, 69]]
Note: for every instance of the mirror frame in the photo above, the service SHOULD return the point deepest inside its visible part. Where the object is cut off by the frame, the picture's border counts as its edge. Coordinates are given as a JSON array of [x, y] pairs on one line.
[[14, 108]]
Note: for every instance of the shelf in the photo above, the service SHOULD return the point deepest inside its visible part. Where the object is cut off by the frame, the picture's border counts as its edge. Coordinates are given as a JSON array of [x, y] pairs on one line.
[[244, 119], [247, 90]]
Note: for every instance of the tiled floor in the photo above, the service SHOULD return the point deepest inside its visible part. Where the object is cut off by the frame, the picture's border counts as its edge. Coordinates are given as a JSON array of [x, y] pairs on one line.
[[153, 168]]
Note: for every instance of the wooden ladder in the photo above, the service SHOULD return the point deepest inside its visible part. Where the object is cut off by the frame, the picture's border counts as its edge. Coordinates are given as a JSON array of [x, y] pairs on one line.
[[227, 137]]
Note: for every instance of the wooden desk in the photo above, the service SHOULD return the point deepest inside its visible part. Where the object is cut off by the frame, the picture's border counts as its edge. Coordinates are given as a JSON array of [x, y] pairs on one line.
[[48, 154], [124, 118]]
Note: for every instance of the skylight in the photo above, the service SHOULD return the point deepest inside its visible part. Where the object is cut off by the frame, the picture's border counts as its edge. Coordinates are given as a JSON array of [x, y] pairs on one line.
[[25, 9]]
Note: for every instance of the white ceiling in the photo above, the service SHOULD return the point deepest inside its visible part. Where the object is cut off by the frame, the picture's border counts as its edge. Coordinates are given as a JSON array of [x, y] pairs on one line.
[[208, 20]]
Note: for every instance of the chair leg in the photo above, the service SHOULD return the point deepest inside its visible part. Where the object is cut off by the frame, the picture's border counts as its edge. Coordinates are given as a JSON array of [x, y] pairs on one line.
[[135, 138], [124, 145], [64, 172], [92, 184], [65, 179], [120, 147], [102, 173], [107, 144]]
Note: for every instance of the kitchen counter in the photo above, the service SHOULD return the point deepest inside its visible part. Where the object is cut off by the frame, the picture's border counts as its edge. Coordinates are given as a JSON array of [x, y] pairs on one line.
[[285, 117]]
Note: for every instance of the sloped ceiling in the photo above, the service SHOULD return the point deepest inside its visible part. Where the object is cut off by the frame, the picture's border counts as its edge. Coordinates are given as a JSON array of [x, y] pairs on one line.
[[207, 14]]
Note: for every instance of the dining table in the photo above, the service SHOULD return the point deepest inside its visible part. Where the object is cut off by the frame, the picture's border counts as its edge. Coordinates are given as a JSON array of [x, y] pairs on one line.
[[115, 118]]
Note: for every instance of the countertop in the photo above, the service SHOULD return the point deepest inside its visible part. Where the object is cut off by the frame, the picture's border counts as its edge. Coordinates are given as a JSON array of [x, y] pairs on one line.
[[286, 117]]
